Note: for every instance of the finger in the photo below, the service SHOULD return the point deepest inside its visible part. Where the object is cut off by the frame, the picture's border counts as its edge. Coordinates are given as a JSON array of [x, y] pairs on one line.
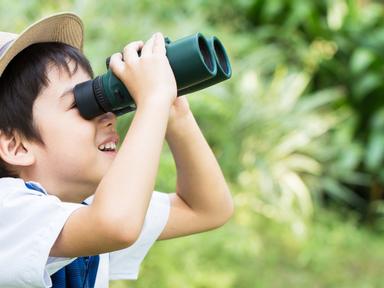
[[116, 62], [159, 44], [148, 47], [117, 56], [131, 50]]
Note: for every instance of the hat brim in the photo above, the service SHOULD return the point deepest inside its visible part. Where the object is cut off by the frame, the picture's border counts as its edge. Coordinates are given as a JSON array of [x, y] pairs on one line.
[[62, 27]]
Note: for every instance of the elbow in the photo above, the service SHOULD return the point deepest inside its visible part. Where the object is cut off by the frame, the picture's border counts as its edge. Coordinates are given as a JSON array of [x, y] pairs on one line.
[[231, 210], [228, 211], [220, 218], [225, 212], [120, 231], [229, 206], [127, 235]]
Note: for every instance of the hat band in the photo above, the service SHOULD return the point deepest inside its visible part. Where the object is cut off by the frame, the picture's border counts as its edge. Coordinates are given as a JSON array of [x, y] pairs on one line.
[[4, 47]]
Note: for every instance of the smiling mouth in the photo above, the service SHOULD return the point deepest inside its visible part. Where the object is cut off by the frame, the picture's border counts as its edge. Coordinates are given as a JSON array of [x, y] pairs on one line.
[[108, 147]]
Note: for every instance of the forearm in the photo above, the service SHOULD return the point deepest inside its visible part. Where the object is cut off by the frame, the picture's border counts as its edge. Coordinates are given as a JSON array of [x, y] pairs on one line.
[[200, 182], [125, 191]]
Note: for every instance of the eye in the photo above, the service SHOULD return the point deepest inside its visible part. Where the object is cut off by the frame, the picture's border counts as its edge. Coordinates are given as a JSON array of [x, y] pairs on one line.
[[73, 105]]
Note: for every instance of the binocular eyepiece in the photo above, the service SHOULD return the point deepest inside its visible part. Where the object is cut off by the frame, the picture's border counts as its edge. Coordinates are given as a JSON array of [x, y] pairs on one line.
[[196, 62]]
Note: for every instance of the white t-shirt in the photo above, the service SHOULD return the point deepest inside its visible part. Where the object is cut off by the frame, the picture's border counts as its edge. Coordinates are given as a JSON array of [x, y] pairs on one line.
[[30, 222]]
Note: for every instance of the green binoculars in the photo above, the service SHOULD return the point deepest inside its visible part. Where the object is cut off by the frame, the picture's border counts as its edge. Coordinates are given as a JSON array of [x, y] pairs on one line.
[[196, 62]]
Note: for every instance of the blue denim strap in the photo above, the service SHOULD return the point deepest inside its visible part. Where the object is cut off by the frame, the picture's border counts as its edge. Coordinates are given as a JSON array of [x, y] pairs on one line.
[[79, 273]]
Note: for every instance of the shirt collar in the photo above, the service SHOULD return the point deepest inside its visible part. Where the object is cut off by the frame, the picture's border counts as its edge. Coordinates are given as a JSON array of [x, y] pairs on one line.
[[32, 185]]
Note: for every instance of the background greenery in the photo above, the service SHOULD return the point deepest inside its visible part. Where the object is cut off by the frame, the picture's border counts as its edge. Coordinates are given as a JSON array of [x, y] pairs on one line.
[[298, 131]]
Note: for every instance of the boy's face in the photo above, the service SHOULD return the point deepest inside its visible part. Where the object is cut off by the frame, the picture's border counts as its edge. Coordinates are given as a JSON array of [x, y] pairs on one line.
[[70, 165]]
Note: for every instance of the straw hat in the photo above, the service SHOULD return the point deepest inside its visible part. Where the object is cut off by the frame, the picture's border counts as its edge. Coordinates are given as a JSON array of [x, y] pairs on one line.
[[62, 27]]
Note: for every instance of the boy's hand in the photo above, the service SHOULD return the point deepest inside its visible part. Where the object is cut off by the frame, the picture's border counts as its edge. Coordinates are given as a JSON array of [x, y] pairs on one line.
[[148, 77], [179, 112], [179, 109]]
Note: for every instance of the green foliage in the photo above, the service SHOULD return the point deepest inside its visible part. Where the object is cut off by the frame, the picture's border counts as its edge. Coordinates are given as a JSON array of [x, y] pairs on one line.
[[348, 37], [278, 130]]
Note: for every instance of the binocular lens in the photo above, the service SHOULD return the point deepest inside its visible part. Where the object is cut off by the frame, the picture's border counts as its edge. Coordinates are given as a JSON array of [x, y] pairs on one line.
[[86, 99], [191, 59], [221, 57], [207, 55], [222, 63]]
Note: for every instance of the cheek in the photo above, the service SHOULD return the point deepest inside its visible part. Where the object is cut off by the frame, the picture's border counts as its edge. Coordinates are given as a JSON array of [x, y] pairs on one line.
[[67, 164], [70, 127], [70, 139], [70, 157]]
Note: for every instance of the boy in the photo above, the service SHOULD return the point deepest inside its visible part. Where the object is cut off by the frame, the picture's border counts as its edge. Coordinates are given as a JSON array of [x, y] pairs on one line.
[[52, 160]]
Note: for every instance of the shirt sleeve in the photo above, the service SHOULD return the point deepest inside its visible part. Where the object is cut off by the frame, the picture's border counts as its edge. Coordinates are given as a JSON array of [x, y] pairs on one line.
[[30, 222], [125, 264]]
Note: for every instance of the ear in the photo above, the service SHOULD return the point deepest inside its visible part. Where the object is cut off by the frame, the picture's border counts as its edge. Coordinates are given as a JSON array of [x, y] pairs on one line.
[[15, 150]]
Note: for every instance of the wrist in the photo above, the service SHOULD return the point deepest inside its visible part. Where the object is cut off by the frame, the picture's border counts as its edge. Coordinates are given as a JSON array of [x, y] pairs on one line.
[[156, 111], [155, 102], [180, 125]]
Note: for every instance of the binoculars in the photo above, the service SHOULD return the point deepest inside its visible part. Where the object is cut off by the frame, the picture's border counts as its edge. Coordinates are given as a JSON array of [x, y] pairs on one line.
[[196, 62]]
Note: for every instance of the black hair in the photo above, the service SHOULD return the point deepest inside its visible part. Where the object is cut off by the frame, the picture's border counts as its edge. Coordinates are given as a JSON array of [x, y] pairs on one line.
[[22, 81]]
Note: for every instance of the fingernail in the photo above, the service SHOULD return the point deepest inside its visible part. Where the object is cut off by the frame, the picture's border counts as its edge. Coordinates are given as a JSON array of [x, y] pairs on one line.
[[158, 35]]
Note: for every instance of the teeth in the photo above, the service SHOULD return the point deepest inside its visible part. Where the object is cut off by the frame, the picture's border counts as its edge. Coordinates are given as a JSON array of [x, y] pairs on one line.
[[111, 146]]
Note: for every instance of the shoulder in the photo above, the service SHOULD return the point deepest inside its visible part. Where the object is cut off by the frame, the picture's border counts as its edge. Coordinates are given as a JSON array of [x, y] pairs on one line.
[[30, 222], [17, 186], [12, 189], [23, 203], [15, 193], [8, 184]]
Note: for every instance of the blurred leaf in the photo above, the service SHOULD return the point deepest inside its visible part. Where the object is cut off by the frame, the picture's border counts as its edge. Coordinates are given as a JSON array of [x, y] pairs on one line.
[[341, 192], [366, 84], [361, 60]]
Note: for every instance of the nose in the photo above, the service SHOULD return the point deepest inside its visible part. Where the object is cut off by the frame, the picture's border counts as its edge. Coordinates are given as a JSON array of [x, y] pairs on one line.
[[106, 119]]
